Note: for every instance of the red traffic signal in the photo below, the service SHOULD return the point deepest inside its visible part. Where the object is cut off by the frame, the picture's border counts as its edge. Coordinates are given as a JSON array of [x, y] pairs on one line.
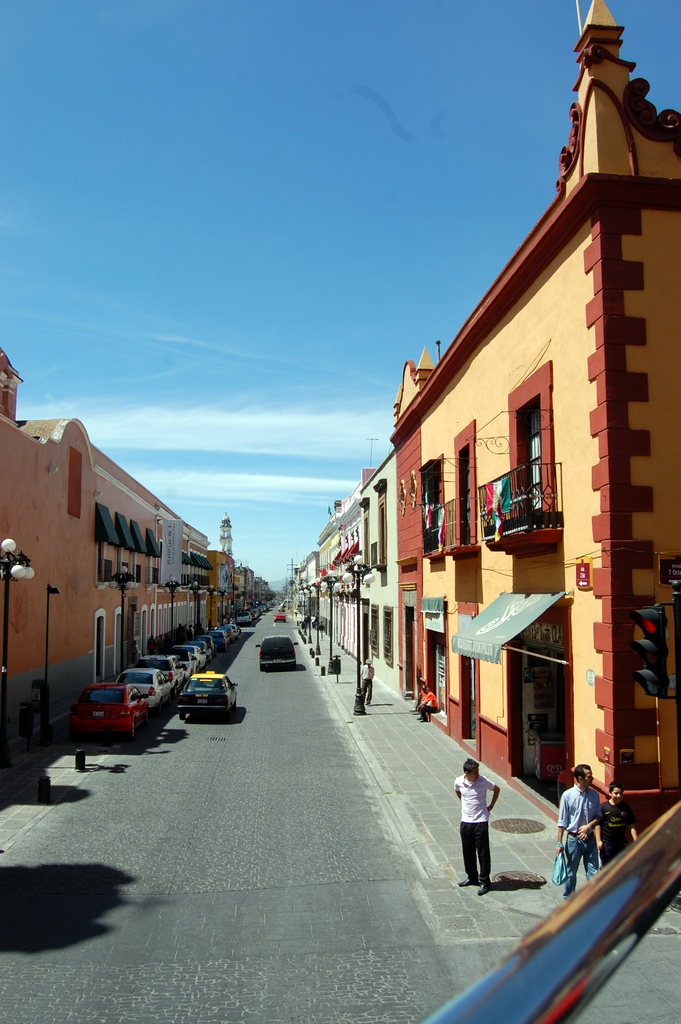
[[652, 648]]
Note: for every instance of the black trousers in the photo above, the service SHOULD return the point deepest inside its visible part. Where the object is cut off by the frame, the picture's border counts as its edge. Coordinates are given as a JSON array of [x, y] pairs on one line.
[[475, 840]]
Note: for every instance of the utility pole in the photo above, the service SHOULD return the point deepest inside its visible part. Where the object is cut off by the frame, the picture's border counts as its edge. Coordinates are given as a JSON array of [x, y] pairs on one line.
[[371, 449]]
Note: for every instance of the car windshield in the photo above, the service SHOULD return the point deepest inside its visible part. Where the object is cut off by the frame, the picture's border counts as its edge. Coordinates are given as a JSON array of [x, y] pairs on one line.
[[213, 685], [103, 696]]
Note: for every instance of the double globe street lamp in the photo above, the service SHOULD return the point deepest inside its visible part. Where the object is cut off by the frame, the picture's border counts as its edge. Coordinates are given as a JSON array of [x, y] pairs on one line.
[[330, 585], [170, 586], [14, 565], [356, 574], [196, 589], [123, 581]]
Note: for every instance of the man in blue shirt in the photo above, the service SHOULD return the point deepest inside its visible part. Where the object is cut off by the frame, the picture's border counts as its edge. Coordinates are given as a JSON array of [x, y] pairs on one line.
[[580, 812]]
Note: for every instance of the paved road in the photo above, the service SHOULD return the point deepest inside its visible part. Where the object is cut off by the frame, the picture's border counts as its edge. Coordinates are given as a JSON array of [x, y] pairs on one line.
[[219, 873]]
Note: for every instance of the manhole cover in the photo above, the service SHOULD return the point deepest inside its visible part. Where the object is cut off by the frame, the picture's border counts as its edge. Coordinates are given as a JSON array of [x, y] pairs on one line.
[[509, 880], [676, 904], [218, 739], [517, 825]]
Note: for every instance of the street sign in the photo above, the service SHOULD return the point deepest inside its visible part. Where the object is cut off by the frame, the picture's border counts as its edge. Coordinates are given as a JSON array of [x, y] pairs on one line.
[[584, 575], [669, 567]]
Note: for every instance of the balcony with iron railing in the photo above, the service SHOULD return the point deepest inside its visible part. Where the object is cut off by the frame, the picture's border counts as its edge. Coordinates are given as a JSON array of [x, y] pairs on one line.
[[521, 512], [434, 537]]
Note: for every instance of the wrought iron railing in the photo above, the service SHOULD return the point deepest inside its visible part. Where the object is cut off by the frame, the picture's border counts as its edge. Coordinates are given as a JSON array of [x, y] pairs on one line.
[[562, 963], [528, 498], [431, 534]]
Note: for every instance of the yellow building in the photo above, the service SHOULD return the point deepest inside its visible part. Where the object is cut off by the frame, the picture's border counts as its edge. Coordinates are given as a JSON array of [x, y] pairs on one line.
[[535, 462]]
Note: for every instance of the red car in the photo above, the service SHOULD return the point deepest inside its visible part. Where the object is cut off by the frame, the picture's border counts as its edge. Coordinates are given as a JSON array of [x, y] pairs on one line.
[[116, 706], [280, 617]]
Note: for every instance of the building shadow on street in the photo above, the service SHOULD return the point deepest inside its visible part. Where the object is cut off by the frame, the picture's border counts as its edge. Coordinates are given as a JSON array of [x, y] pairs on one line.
[[57, 905]]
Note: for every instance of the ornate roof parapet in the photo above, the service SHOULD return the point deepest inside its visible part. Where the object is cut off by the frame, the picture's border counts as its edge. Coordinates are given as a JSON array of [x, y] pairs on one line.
[[614, 128]]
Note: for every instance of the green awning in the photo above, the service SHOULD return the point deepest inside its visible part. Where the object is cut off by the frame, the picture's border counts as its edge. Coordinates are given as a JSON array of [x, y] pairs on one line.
[[509, 615], [137, 537], [123, 530], [105, 531], [153, 549], [185, 558], [208, 565], [433, 604], [195, 560]]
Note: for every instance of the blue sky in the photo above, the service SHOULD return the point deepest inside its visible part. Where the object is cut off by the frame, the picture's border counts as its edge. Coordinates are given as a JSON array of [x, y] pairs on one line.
[[226, 224]]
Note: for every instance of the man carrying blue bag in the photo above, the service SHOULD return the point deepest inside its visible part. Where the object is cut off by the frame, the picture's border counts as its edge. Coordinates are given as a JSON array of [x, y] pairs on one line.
[[580, 812]]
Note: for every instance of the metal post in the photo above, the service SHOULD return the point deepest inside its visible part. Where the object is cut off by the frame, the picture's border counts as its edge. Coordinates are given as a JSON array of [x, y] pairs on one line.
[[359, 708], [122, 644], [5, 757], [676, 601], [318, 649]]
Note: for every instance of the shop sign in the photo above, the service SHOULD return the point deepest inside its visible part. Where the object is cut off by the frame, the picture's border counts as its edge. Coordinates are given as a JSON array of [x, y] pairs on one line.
[[669, 567], [584, 574], [543, 633]]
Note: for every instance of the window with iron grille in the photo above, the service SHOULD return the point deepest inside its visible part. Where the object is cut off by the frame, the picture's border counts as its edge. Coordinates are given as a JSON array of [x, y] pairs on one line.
[[388, 636], [464, 481], [373, 629], [431, 475]]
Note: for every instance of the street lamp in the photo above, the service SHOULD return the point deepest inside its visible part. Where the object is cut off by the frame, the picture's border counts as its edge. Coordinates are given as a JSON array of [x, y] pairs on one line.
[[222, 594], [317, 585], [210, 590], [356, 574], [13, 566], [122, 580], [195, 588], [45, 727], [330, 585], [170, 586]]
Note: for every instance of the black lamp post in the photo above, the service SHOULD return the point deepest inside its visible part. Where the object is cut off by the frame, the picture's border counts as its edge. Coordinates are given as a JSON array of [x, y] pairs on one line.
[[195, 588], [122, 580], [329, 586], [45, 727], [210, 591], [317, 585], [356, 573], [13, 566], [170, 586], [222, 594]]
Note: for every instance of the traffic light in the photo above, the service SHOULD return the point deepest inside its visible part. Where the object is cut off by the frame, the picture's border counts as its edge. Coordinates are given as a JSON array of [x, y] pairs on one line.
[[653, 649]]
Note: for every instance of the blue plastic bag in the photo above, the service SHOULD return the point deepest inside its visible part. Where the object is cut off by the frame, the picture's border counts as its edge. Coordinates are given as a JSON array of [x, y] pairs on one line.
[[560, 871]]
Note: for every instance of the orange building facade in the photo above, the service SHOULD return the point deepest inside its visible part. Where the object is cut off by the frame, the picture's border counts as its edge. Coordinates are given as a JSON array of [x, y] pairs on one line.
[[79, 518], [535, 463]]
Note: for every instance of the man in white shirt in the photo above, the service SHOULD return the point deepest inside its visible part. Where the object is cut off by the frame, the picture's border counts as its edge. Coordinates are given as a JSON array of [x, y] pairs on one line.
[[580, 812], [471, 788]]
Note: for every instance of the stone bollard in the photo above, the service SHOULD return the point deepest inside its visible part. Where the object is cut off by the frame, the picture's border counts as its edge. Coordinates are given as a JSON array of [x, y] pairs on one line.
[[316, 661], [44, 789], [80, 760], [323, 672]]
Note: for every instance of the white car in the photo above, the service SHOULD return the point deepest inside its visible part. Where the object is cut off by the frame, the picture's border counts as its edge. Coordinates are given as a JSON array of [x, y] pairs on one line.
[[170, 665], [244, 619], [152, 684], [195, 651], [188, 660]]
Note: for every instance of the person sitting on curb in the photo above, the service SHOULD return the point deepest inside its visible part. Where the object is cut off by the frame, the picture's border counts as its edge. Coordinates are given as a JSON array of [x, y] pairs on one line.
[[428, 703]]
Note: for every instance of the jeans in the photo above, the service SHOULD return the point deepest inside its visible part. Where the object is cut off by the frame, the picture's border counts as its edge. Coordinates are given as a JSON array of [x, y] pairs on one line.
[[577, 850]]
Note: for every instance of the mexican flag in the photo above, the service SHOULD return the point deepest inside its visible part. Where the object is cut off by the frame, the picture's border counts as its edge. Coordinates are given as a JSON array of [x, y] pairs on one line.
[[442, 527], [498, 496]]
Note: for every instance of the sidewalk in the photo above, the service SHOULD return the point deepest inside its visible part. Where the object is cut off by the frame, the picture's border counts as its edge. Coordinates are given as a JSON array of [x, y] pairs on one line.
[[410, 769]]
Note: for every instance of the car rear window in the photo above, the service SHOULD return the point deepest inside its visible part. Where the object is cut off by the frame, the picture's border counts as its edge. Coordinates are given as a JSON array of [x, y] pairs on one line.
[[138, 677], [216, 685], [161, 663], [103, 696], [277, 643]]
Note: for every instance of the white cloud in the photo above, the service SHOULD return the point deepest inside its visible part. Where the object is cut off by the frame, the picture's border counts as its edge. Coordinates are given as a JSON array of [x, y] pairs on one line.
[[205, 487], [216, 425]]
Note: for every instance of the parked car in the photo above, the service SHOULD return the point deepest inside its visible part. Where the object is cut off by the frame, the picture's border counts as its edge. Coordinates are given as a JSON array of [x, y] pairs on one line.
[[120, 707], [277, 652], [207, 693], [152, 683], [192, 652], [170, 665], [233, 631], [207, 639], [188, 660], [203, 647], [220, 640], [244, 619], [280, 616]]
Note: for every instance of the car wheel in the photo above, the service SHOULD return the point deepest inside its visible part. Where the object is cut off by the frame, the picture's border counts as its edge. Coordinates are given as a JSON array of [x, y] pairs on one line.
[[133, 731]]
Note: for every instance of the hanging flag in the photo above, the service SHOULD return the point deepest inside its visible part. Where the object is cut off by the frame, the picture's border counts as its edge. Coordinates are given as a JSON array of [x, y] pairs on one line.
[[498, 502], [442, 527], [426, 510]]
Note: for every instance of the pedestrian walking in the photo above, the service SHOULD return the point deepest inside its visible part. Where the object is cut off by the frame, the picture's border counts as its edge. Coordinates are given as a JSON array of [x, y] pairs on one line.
[[367, 681], [151, 645], [579, 814], [472, 788], [427, 704], [616, 818]]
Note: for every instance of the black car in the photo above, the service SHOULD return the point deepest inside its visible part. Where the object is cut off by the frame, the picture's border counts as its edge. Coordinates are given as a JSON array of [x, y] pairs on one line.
[[277, 652], [207, 693]]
